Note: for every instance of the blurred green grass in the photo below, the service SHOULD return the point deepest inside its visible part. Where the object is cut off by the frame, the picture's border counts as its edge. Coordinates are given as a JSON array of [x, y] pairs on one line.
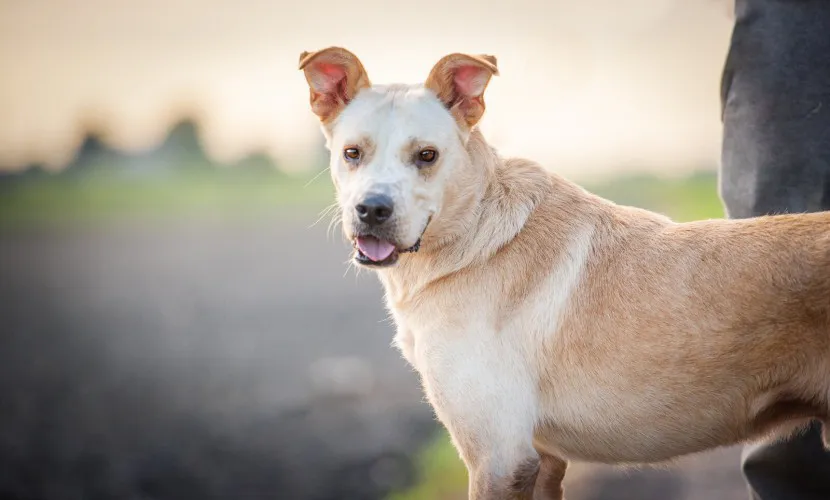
[[99, 198], [683, 199], [442, 474], [102, 198]]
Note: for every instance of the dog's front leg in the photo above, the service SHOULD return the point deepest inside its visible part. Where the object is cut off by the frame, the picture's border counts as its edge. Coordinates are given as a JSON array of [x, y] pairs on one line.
[[538, 478], [489, 407], [492, 430], [549, 480], [490, 480]]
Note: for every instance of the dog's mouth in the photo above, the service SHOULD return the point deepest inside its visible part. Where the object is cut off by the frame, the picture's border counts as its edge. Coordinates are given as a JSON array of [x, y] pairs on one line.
[[376, 252]]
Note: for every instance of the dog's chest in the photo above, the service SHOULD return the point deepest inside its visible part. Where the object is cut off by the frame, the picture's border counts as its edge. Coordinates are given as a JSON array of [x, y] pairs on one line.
[[441, 322], [467, 367]]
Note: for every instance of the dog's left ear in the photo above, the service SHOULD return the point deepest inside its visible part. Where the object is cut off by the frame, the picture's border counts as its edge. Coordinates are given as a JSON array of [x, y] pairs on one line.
[[334, 77], [459, 80]]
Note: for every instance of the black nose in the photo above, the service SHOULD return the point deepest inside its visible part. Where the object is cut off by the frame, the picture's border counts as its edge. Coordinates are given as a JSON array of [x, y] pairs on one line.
[[375, 209]]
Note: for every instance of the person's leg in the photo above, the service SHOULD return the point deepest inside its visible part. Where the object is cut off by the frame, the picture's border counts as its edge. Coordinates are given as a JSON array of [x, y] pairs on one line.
[[795, 469], [775, 159]]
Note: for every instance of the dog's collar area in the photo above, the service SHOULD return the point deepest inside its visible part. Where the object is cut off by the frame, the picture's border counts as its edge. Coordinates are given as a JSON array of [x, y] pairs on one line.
[[417, 246], [414, 248]]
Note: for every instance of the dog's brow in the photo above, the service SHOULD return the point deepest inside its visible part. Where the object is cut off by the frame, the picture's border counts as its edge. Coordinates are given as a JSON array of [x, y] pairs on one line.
[[413, 145], [408, 150]]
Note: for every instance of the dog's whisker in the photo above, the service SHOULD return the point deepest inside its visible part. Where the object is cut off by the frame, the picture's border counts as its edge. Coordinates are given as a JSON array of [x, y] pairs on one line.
[[349, 266], [316, 176], [326, 212], [333, 223]]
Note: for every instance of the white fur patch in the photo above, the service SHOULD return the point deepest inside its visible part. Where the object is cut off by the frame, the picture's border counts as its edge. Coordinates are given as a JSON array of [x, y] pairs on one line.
[[482, 389]]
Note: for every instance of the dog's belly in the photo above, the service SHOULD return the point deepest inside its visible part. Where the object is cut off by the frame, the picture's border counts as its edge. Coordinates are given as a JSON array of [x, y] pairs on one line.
[[657, 425], [644, 440], [621, 444], [615, 422]]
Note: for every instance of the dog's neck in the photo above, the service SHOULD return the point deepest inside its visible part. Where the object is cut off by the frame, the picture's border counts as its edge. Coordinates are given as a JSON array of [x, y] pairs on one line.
[[493, 199]]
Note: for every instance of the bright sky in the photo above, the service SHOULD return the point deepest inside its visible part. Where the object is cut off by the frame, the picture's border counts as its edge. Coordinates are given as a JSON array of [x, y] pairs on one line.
[[585, 86]]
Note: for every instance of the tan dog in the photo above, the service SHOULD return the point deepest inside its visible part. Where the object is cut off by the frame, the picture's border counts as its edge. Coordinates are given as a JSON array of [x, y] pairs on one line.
[[548, 324]]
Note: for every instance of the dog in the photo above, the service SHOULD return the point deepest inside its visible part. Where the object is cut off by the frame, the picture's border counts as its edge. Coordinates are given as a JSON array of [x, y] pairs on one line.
[[548, 324]]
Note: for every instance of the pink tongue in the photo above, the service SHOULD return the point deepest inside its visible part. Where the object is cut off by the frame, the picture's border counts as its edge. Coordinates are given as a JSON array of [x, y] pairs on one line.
[[377, 250]]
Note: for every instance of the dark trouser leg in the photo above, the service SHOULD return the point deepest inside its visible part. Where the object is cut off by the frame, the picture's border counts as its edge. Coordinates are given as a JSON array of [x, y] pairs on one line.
[[795, 469], [776, 158]]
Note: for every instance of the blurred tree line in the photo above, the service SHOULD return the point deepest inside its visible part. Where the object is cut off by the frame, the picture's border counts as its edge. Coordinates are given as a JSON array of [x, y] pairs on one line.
[[180, 154]]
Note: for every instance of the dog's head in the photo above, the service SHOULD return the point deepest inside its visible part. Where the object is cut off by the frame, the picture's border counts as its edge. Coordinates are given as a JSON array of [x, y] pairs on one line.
[[397, 150]]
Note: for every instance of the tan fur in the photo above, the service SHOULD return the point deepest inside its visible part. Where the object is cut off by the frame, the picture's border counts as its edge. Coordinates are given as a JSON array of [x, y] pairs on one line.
[[639, 339], [727, 321], [726, 316]]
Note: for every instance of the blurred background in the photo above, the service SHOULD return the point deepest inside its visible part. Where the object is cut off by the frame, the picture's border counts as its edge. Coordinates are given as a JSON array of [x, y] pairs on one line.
[[178, 319]]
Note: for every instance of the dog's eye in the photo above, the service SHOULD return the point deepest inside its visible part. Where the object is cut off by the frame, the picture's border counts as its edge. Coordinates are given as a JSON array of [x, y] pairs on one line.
[[427, 157], [351, 154]]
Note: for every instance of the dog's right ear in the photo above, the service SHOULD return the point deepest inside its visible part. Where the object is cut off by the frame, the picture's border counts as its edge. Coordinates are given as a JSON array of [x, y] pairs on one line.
[[334, 77]]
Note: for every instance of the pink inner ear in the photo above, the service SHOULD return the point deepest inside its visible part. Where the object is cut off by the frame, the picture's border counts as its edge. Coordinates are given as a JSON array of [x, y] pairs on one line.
[[470, 80], [327, 76]]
